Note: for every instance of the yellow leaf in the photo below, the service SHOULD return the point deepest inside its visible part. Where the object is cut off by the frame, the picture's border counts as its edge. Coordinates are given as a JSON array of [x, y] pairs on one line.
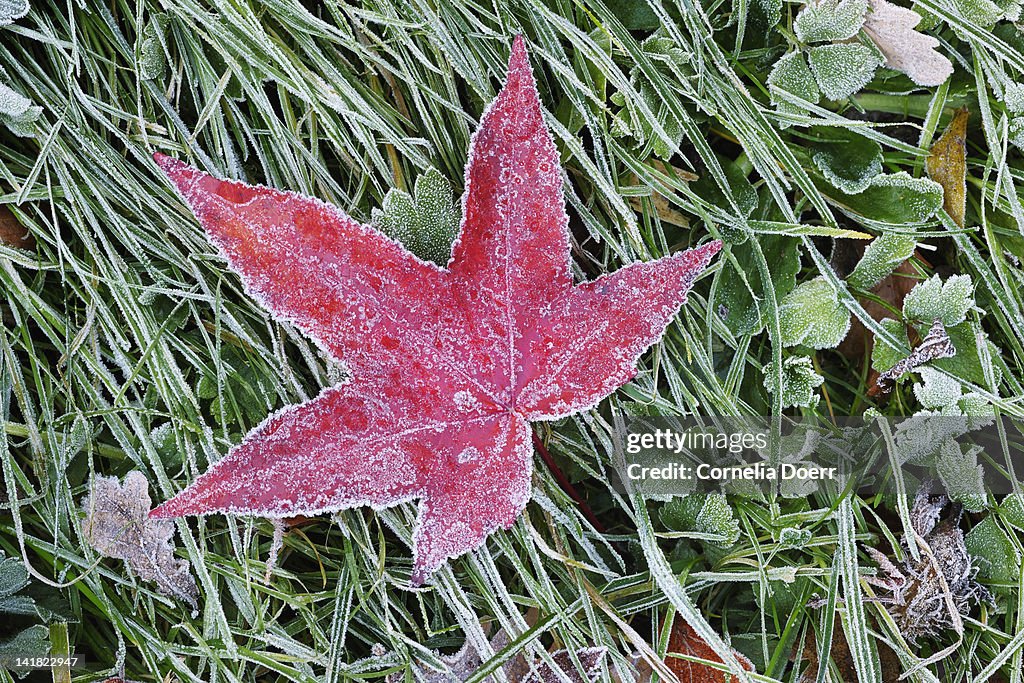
[[947, 165]]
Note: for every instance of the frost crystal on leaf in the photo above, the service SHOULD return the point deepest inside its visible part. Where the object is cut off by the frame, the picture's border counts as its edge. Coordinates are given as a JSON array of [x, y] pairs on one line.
[[813, 316], [11, 10], [842, 69], [443, 360], [891, 28], [935, 300], [17, 112], [116, 525], [799, 380], [828, 20]]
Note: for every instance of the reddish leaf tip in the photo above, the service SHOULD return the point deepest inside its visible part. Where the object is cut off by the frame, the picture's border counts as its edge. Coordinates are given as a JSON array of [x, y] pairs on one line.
[[519, 62]]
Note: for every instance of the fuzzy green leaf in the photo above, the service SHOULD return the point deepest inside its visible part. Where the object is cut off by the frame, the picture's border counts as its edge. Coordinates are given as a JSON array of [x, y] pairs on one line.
[[842, 69], [34, 641], [882, 256], [13, 576], [937, 390], [847, 160], [962, 476], [1012, 510], [152, 59], [705, 514], [799, 380], [736, 304], [934, 300], [896, 198], [426, 225], [812, 315], [792, 74], [993, 552], [829, 20], [982, 12]]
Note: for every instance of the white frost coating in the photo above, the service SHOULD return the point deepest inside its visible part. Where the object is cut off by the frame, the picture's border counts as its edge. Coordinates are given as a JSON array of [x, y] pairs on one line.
[[891, 28], [448, 364], [10, 10]]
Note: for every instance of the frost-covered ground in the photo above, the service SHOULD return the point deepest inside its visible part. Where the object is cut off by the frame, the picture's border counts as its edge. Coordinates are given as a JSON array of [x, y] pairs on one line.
[[860, 160]]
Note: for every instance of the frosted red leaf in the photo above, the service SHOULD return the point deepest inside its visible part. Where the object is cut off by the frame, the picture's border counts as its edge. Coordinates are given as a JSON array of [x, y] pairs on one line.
[[683, 640], [449, 365]]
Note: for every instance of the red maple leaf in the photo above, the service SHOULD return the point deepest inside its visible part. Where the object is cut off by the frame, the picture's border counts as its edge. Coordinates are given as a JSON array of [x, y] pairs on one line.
[[449, 365]]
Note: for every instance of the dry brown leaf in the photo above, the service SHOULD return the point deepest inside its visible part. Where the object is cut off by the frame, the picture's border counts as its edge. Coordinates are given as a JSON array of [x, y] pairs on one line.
[[841, 656], [891, 27], [13, 233], [117, 525], [684, 640], [929, 595], [947, 165]]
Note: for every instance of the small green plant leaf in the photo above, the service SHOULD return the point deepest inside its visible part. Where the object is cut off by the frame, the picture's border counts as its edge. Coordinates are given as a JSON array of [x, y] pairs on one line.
[[427, 224], [32, 642], [982, 12], [843, 68], [895, 198], [152, 59], [883, 356], [742, 313], [635, 15], [1011, 510], [792, 75], [13, 576], [936, 300], [829, 20], [17, 112], [993, 552], [962, 476], [882, 256], [812, 315], [937, 390], [847, 160], [799, 380], [703, 513]]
